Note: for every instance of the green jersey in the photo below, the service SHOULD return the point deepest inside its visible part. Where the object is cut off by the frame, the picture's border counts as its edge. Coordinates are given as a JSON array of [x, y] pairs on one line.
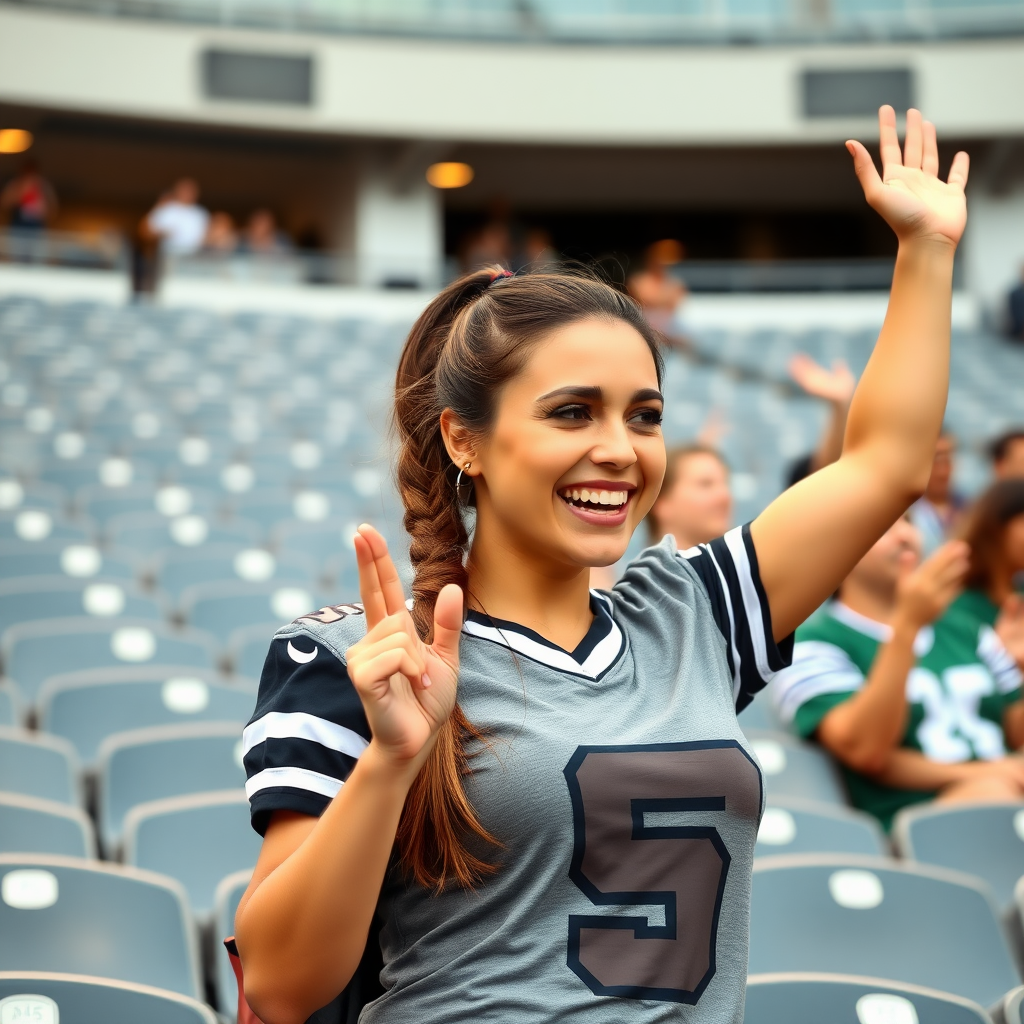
[[962, 682]]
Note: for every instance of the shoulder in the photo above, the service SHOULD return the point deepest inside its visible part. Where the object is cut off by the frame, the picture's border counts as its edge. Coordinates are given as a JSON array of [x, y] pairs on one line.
[[337, 627]]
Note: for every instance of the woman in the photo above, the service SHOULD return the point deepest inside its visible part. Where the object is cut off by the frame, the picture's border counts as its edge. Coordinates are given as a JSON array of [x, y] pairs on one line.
[[531, 879]]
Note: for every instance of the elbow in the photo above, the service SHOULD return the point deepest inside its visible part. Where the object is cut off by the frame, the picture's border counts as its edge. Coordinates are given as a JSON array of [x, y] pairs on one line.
[[866, 761], [866, 758], [279, 995]]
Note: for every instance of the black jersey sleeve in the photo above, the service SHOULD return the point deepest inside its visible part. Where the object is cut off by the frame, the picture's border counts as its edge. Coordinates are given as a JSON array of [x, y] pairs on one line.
[[307, 732], [728, 569]]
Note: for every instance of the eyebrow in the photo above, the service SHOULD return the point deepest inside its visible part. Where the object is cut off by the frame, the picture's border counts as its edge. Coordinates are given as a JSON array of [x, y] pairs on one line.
[[596, 394]]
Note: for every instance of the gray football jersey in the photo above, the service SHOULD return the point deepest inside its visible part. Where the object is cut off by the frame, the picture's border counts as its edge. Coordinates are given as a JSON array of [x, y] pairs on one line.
[[615, 776]]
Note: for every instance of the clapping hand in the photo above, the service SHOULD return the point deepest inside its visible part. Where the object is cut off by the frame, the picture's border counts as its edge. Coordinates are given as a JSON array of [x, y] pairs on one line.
[[909, 194], [407, 687]]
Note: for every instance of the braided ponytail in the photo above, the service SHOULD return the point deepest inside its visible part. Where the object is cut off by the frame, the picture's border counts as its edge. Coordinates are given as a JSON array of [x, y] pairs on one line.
[[469, 342]]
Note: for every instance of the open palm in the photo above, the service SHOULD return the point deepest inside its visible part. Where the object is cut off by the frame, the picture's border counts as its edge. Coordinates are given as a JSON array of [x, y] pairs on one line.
[[909, 194], [407, 687]]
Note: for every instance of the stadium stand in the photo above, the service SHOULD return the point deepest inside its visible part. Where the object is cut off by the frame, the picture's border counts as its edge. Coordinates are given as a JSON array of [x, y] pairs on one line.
[[226, 899], [879, 918], [38, 765], [812, 998], [30, 825], [1011, 1009], [791, 825], [792, 768]]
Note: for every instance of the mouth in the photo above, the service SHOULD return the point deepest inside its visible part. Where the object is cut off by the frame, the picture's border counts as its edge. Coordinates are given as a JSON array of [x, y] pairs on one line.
[[601, 503]]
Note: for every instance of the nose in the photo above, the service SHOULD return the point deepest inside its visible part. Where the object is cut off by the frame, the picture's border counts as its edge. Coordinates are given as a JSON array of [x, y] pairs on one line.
[[614, 447]]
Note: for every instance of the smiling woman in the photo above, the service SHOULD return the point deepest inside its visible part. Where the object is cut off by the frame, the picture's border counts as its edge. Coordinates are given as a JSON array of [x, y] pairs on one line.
[[542, 791]]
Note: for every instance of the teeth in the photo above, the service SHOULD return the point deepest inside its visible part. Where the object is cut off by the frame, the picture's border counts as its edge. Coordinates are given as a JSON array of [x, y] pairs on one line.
[[584, 495], [611, 498], [604, 498], [575, 495]]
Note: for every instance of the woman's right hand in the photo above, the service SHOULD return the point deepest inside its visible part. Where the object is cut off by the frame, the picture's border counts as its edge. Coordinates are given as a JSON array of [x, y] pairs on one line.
[[407, 687]]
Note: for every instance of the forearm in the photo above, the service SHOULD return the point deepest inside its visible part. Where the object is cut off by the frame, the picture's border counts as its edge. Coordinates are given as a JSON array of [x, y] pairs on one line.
[[1013, 725], [897, 409], [303, 929], [865, 729], [910, 769]]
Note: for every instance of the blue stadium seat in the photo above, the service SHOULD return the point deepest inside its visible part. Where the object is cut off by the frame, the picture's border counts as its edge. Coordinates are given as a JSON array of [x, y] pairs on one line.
[[31, 598], [792, 768], [34, 651], [31, 825], [175, 569], [222, 608], [791, 825], [10, 706], [56, 557], [102, 505], [986, 840], [1010, 1010], [87, 707], [37, 765], [317, 541], [32, 525], [79, 999], [879, 918], [197, 839], [164, 761], [248, 648], [759, 716], [226, 899], [806, 998], [83, 917], [149, 531], [16, 494]]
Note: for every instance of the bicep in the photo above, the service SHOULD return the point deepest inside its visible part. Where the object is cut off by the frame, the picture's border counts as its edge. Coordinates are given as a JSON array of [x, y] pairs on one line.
[[813, 534]]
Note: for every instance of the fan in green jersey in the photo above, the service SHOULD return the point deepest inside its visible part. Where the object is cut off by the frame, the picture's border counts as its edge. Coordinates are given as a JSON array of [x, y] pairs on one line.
[[908, 684]]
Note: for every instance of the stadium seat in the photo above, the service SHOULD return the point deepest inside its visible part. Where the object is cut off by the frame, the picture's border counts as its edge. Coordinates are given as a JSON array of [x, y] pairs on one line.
[[34, 651], [30, 825], [879, 918], [1010, 1009], [792, 768], [791, 825], [149, 531], [78, 999], [248, 648], [32, 525], [164, 761], [34, 764], [800, 998], [31, 598], [226, 899], [83, 917], [176, 569], [10, 709], [87, 707], [57, 557], [197, 839], [222, 608], [102, 505], [760, 716], [986, 840]]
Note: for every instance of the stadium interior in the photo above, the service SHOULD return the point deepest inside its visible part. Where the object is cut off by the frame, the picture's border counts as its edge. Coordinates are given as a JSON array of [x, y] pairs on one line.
[[188, 440]]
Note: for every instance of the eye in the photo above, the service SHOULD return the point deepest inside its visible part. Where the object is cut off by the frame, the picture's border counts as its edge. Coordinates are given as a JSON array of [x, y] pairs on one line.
[[648, 417], [577, 411]]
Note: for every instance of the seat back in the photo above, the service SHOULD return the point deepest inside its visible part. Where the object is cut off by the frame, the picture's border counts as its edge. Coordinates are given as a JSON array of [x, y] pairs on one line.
[[197, 839], [221, 608], [227, 896], [842, 999], [986, 840], [79, 917], [37, 765], [30, 825], [61, 557], [77, 999], [164, 761], [791, 825], [53, 597], [878, 918], [793, 768]]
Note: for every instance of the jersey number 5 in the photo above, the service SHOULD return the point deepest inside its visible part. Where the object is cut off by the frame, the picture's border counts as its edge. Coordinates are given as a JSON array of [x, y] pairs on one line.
[[633, 847]]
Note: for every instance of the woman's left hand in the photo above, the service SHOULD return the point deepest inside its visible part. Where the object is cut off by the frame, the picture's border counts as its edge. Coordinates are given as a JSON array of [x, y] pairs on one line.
[[909, 194]]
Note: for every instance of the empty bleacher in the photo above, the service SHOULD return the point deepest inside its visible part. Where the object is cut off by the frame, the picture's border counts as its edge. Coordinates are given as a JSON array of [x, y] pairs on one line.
[[174, 485]]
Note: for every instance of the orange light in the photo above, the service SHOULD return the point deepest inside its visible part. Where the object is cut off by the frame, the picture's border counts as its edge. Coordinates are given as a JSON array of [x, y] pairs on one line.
[[449, 175], [14, 140]]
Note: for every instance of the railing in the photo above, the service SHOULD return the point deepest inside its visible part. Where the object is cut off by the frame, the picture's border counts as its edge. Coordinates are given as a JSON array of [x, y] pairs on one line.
[[104, 250], [600, 21]]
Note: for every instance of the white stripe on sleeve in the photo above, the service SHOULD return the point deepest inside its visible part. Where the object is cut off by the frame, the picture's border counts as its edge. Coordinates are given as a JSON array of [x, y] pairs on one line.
[[297, 725], [293, 778]]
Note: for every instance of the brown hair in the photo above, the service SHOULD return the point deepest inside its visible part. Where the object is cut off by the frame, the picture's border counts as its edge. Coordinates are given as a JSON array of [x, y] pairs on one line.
[[985, 528], [467, 344], [674, 459]]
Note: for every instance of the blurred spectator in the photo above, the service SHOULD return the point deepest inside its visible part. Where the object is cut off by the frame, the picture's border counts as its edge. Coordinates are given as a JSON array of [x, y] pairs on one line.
[[178, 222], [29, 199], [937, 512], [659, 292], [880, 678], [262, 237], [1015, 304], [834, 386], [221, 236], [1007, 453], [538, 255], [695, 504], [491, 245]]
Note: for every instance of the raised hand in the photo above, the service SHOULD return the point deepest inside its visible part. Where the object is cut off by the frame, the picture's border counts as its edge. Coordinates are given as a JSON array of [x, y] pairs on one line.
[[924, 593], [407, 687], [909, 194], [835, 385]]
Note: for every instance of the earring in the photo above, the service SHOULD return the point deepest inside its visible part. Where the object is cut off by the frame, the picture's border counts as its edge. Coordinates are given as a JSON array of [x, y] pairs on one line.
[[458, 479]]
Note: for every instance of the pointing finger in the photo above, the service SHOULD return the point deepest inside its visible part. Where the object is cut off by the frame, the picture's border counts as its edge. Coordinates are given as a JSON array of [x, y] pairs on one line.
[[913, 145], [888, 140], [930, 161], [958, 172], [387, 574], [370, 592]]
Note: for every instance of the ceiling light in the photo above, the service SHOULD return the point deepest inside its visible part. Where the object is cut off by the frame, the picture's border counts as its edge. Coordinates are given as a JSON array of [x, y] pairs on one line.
[[449, 175], [17, 140]]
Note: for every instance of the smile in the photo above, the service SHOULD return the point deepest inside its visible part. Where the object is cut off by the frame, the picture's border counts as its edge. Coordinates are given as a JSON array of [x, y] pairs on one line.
[[598, 505]]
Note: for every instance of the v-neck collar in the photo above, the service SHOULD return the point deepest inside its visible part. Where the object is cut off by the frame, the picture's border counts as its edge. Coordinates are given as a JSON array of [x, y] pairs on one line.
[[595, 654]]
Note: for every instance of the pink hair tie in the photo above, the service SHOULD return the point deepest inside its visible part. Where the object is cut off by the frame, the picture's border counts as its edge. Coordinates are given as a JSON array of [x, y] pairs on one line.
[[500, 275]]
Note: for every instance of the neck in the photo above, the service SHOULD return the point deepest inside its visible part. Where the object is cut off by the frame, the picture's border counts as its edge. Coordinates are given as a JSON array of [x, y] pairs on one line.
[[868, 601], [508, 582]]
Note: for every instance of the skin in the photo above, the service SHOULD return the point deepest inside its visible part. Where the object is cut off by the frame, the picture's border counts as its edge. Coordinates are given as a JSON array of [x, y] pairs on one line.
[[303, 922], [833, 386], [937, 491], [698, 508], [1011, 465]]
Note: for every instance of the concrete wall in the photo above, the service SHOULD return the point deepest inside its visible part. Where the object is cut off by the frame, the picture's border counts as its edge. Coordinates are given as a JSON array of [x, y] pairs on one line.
[[482, 91]]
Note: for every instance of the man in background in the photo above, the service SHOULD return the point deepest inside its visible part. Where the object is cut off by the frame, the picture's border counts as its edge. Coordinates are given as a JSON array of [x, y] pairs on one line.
[[1007, 454]]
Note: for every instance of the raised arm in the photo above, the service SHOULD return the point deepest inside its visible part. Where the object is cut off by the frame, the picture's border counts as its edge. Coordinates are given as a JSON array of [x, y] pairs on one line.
[[810, 537]]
